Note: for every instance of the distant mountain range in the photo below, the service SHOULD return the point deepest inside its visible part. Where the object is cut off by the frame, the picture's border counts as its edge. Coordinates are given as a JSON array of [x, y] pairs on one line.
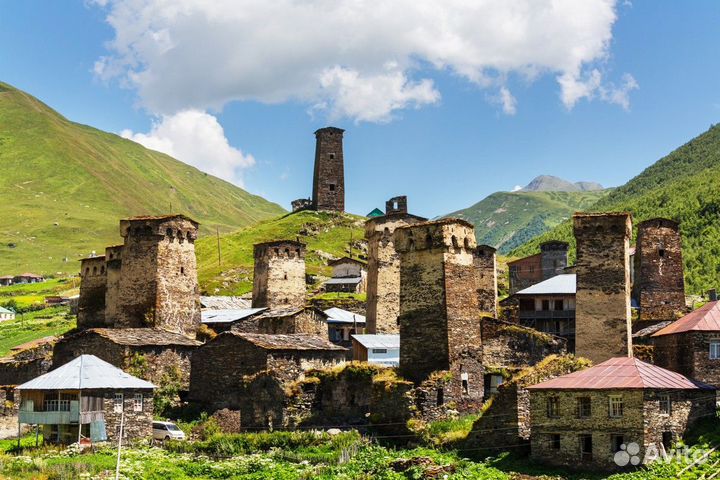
[[507, 220], [64, 186]]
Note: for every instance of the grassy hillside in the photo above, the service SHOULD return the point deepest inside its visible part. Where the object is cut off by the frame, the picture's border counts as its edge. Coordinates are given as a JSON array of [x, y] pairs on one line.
[[64, 186], [326, 234], [683, 186], [507, 220]]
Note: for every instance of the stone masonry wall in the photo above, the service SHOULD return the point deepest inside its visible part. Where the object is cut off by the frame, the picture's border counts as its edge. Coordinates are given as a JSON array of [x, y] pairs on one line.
[[603, 327], [507, 345], [279, 276], [91, 304], [688, 353], [485, 262], [137, 425], [113, 263], [307, 320], [687, 407], [329, 176]]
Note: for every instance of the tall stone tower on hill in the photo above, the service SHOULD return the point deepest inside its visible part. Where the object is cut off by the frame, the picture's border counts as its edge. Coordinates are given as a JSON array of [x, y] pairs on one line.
[[279, 277], [329, 175]]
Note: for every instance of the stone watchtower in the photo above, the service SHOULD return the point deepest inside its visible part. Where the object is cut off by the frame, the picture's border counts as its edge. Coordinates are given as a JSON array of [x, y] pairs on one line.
[[329, 175], [602, 325], [553, 258], [486, 264], [91, 303], [659, 282], [383, 276], [113, 263], [439, 320], [279, 277], [158, 284]]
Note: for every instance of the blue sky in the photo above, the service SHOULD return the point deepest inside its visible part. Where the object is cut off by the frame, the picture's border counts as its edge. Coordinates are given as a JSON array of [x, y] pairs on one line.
[[424, 115]]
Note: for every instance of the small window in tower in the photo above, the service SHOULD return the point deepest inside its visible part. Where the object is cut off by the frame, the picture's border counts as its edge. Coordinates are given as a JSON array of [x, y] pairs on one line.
[[661, 252], [102, 270], [94, 270], [332, 156], [285, 276], [182, 270], [332, 187], [440, 399], [169, 232]]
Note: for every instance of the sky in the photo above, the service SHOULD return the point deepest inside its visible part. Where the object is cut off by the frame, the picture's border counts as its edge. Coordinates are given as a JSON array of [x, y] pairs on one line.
[[445, 102]]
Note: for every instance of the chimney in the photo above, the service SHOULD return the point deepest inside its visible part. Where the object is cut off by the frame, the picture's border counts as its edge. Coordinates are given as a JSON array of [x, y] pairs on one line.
[[712, 294]]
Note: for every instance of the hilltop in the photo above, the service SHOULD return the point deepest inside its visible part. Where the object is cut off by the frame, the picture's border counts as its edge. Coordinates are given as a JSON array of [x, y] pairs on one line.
[[549, 183], [64, 186], [682, 186]]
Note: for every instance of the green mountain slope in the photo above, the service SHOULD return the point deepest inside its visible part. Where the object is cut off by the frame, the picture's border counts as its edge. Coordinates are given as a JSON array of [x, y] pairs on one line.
[[684, 186], [64, 186], [507, 220], [325, 234]]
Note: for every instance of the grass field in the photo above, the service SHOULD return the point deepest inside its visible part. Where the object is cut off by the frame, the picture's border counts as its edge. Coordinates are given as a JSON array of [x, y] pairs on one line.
[[33, 325]]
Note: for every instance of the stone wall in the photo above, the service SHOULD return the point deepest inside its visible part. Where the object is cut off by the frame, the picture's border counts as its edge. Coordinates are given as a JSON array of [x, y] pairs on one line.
[[603, 326], [688, 353], [349, 304], [91, 304], [485, 262], [308, 320], [687, 407], [137, 425], [329, 175], [279, 275], [659, 281], [507, 345], [113, 264]]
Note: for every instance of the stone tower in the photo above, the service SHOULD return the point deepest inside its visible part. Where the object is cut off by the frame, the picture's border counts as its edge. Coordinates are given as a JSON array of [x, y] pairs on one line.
[[440, 324], [113, 262], [329, 175], [659, 282], [486, 264], [553, 258], [383, 276], [158, 284], [602, 325], [91, 303], [279, 277]]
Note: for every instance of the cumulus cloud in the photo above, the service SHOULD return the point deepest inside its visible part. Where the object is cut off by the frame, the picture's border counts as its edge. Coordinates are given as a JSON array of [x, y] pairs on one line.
[[359, 59], [198, 139]]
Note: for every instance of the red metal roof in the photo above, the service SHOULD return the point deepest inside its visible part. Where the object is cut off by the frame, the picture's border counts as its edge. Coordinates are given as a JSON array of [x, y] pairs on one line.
[[621, 373], [704, 319]]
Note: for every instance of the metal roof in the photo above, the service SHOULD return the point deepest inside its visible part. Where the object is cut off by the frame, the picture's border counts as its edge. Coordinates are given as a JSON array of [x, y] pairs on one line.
[[229, 315], [621, 373], [378, 341], [224, 303], [338, 315], [84, 373], [343, 281], [704, 319], [563, 284], [5, 310]]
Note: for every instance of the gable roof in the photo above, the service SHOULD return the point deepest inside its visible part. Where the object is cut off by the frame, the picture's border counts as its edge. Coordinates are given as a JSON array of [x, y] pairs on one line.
[[704, 319], [5, 310], [83, 373], [376, 212], [219, 302], [622, 373], [342, 260], [338, 315], [563, 284], [294, 341], [378, 341]]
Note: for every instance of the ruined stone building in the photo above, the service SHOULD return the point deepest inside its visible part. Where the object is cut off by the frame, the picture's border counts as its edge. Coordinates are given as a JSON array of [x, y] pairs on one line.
[[603, 325], [279, 275], [329, 174], [552, 260], [440, 326], [486, 263], [383, 277], [659, 286]]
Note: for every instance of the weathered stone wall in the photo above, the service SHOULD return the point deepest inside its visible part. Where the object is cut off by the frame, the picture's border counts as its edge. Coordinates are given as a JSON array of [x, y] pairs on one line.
[[113, 263], [687, 407], [91, 304], [659, 281], [329, 175], [383, 277], [158, 275], [279, 276], [507, 345], [688, 353], [439, 315], [485, 262], [307, 320], [396, 205], [603, 326], [15, 372], [349, 304], [504, 425], [137, 425]]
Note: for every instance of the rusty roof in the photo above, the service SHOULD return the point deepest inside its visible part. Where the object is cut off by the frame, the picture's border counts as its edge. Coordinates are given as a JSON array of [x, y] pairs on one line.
[[295, 341], [142, 336], [622, 373], [704, 319]]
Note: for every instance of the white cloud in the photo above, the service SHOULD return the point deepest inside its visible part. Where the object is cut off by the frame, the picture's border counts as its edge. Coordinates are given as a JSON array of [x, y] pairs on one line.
[[591, 86], [196, 138], [516, 188], [360, 59]]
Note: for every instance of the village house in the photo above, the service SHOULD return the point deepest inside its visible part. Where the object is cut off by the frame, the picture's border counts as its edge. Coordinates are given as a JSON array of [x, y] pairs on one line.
[[691, 345], [349, 275], [6, 280], [85, 400], [27, 278], [584, 418], [222, 320], [527, 271], [6, 314], [343, 324], [377, 349], [223, 302]]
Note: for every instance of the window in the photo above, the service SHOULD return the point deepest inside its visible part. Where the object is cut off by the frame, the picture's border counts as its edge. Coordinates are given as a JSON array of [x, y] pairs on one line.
[[555, 441], [584, 407], [465, 387], [527, 305], [665, 404], [667, 440], [138, 402], [332, 156], [586, 447], [661, 252], [332, 187], [545, 305], [440, 399], [558, 305], [616, 443], [379, 350], [616, 406], [182, 270], [118, 403], [495, 382], [715, 350], [553, 407]]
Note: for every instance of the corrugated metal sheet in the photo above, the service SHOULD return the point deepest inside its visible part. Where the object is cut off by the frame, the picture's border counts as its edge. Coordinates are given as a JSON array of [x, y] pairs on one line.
[[704, 319], [229, 315], [338, 315], [563, 284], [378, 341], [621, 373], [224, 303], [84, 373], [344, 281]]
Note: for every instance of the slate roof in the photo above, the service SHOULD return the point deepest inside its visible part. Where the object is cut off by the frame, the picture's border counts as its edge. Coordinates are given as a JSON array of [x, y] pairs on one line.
[[142, 336], [648, 331], [224, 303], [83, 373], [286, 312], [378, 341], [34, 343], [704, 319], [229, 315], [622, 373], [294, 341], [563, 284], [338, 315]]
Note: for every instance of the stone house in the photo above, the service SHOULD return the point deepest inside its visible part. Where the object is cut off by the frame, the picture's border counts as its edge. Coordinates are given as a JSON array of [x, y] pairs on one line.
[[6, 314], [527, 271], [86, 400], [306, 320], [584, 418], [222, 320], [348, 275], [691, 345]]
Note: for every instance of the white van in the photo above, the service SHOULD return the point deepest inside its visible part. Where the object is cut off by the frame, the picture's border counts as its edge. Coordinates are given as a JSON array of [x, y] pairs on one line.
[[167, 431]]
